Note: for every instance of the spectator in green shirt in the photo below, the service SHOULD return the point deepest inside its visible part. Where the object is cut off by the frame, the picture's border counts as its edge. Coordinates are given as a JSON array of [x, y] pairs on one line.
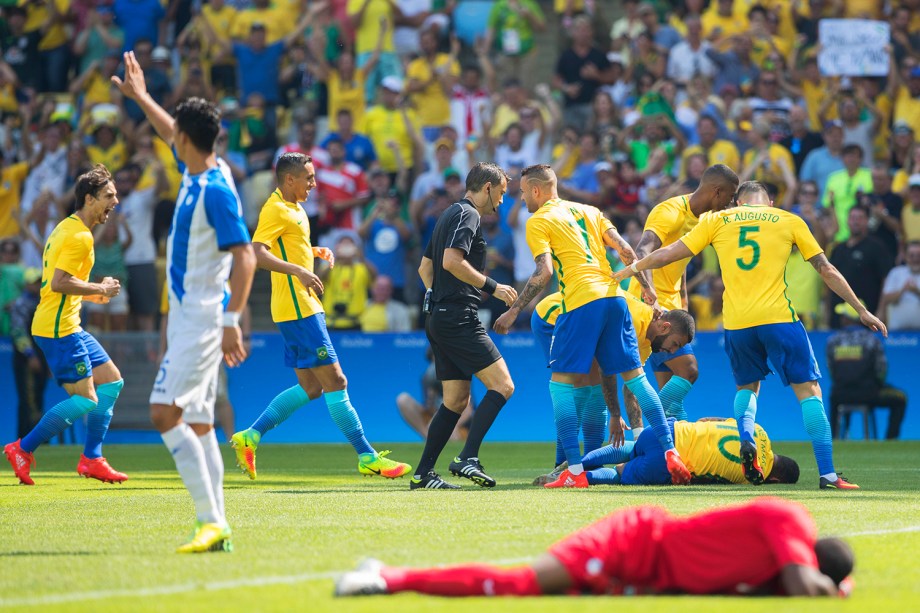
[[510, 33], [841, 192]]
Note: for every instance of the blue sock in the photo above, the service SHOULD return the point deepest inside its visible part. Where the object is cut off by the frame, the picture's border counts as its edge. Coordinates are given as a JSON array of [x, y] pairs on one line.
[[672, 397], [819, 429], [594, 418], [280, 408], [651, 410], [345, 417], [745, 412], [560, 452], [608, 454], [98, 420], [58, 418], [566, 416], [603, 476]]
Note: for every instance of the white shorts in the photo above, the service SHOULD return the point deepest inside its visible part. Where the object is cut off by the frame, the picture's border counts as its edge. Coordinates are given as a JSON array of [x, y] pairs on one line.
[[188, 373]]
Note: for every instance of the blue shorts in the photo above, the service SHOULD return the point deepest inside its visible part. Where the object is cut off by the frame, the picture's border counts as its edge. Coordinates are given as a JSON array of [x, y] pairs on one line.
[[786, 345], [73, 357], [307, 343], [543, 332], [647, 464], [600, 329], [659, 358]]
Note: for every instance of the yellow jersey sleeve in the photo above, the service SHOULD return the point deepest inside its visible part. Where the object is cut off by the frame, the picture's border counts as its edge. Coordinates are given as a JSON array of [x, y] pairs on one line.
[[537, 231], [641, 315], [270, 225], [74, 252], [700, 236], [804, 239], [662, 219]]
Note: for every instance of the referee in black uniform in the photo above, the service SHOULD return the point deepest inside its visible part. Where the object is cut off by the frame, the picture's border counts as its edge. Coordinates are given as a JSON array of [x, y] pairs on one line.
[[452, 268]]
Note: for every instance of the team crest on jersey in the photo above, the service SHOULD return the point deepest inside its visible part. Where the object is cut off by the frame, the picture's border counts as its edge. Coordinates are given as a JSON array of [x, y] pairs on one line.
[[81, 368], [322, 353]]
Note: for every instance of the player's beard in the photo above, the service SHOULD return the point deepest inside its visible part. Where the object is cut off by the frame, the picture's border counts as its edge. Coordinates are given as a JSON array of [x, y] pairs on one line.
[[658, 342]]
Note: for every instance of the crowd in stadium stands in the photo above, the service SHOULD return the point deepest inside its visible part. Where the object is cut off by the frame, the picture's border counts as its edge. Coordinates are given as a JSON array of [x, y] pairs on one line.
[[394, 108]]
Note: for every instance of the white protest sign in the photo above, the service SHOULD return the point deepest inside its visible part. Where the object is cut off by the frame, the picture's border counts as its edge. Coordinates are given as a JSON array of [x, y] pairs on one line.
[[853, 47]]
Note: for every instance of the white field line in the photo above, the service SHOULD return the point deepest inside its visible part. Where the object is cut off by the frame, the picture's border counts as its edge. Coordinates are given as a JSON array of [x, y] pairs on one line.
[[182, 588]]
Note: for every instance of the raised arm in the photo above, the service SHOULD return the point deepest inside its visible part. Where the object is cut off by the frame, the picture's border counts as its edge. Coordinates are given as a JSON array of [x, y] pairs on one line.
[[535, 284], [134, 87], [835, 281]]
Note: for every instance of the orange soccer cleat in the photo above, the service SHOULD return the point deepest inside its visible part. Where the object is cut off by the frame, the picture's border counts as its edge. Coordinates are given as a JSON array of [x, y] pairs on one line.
[[568, 480], [21, 460], [98, 468], [679, 473]]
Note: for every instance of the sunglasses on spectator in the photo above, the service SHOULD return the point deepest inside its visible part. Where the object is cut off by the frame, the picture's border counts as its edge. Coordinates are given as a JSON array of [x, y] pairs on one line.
[[808, 192]]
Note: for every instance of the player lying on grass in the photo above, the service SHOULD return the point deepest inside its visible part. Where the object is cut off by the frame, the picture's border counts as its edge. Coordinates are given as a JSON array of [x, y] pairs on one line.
[[645, 550], [664, 335], [709, 447], [753, 241]]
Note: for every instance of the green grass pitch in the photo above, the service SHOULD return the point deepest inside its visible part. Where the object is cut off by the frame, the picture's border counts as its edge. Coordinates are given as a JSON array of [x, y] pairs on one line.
[[73, 544]]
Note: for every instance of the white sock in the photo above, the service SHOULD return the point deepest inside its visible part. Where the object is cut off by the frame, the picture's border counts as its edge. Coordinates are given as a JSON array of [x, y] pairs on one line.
[[215, 465], [830, 476], [636, 432], [190, 462], [576, 469]]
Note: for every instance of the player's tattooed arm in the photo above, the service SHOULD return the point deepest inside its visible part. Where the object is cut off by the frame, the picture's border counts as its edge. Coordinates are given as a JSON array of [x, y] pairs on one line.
[[838, 284], [647, 244], [535, 284], [628, 256]]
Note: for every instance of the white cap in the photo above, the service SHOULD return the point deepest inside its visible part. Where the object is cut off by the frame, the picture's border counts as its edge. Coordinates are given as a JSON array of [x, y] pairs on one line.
[[392, 83], [914, 180], [160, 54], [602, 166], [615, 58]]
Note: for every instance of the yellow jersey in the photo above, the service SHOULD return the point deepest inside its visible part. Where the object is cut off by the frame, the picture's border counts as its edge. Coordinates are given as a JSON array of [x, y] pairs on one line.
[[431, 104], [69, 248], [572, 234], [11, 179], [550, 307], [113, 157], [37, 15], [712, 449], [382, 125], [907, 109], [771, 171], [669, 220], [721, 152], [273, 20], [222, 23], [284, 229], [753, 243], [736, 23], [345, 296], [346, 95], [368, 31]]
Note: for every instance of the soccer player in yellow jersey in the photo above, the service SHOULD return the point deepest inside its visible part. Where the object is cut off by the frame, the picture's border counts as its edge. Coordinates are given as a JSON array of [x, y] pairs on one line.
[[667, 222], [753, 241], [282, 245], [594, 322], [666, 333], [78, 361], [710, 448]]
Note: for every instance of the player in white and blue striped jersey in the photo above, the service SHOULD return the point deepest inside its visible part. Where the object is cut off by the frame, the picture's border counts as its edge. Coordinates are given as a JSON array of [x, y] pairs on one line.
[[208, 243]]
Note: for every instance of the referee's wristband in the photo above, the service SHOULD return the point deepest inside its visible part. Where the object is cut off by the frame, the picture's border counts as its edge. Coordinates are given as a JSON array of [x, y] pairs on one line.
[[633, 268], [231, 319], [490, 285]]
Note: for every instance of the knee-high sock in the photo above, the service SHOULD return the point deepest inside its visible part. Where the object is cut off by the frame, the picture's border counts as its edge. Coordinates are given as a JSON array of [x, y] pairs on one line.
[[215, 465], [566, 422], [594, 418], [280, 408], [651, 410], [672, 397], [439, 430], [560, 452], [603, 476], [346, 418], [608, 454], [98, 420], [483, 418], [819, 429], [190, 461], [469, 580], [58, 418], [745, 413]]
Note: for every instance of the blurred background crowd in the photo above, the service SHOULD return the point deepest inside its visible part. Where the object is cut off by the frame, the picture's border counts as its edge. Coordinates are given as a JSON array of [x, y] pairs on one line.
[[395, 99]]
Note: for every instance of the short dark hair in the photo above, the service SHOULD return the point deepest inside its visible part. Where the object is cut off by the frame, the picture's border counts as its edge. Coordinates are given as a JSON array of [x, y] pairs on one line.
[[89, 184], [853, 148], [860, 207], [757, 9], [200, 121], [681, 322], [541, 173], [785, 469], [291, 163], [482, 173], [720, 174], [835, 558], [746, 188]]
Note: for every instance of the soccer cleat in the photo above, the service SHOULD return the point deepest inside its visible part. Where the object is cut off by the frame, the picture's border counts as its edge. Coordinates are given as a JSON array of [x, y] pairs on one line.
[[431, 481], [21, 461], [550, 476], [472, 470], [209, 537], [679, 473], [750, 463], [98, 468], [568, 480], [839, 484], [379, 465], [245, 443], [365, 580]]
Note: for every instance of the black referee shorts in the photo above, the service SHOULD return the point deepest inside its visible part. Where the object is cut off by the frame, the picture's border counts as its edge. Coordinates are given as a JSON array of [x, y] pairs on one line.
[[459, 343]]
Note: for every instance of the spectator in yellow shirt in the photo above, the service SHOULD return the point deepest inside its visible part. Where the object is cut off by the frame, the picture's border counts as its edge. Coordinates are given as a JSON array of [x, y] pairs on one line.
[[50, 17], [907, 103], [368, 17], [273, 20], [431, 79], [393, 129], [716, 150], [222, 19], [346, 286], [721, 21], [94, 86], [769, 162], [910, 214]]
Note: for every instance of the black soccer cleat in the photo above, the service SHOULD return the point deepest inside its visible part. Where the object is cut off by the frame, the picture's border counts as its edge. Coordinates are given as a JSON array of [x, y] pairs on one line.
[[431, 481], [750, 464], [472, 470]]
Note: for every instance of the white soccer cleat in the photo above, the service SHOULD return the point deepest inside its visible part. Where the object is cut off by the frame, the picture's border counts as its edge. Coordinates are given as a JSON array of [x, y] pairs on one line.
[[365, 580]]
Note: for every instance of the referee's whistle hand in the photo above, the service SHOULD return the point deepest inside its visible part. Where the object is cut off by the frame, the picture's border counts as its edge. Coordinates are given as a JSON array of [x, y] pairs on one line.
[[505, 293]]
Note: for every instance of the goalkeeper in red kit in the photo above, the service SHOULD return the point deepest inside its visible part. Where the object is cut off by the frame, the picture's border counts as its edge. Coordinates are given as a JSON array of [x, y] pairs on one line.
[[645, 550]]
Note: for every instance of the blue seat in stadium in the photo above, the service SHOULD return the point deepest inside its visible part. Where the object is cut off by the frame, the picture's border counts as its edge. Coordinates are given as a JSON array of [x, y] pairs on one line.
[[470, 19]]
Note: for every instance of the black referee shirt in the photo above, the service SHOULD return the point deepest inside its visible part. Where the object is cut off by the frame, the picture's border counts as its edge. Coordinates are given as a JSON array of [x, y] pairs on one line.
[[457, 228]]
